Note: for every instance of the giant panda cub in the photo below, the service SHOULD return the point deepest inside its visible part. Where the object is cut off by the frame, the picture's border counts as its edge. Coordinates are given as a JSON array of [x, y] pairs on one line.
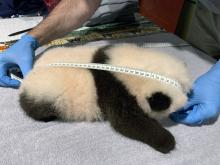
[[130, 103]]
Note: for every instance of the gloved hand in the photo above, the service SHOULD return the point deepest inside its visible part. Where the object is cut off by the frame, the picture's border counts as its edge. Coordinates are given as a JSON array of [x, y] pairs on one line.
[[20, 55], [204, 101]]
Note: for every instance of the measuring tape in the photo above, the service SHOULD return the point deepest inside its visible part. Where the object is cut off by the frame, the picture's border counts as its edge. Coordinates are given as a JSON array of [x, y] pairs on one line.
[[111, 68], [13, 76]]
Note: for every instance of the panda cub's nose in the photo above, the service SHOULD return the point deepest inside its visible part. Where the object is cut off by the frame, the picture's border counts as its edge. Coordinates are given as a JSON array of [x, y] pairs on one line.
[[159, 101]]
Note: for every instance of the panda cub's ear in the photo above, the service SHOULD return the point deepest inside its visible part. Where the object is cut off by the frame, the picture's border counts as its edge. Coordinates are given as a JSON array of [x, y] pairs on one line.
[[159, 102]]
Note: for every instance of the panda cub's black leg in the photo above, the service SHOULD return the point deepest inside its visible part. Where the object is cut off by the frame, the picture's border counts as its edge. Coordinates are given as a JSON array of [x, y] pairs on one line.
[[144, 129], [124, 113], [39, 110]]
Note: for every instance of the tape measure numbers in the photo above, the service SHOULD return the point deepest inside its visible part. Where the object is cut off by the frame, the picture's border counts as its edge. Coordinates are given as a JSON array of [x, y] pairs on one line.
[[111, 68]]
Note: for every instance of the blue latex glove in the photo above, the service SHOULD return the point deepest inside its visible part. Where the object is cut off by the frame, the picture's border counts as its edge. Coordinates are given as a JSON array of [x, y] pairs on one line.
[[204, 101], [20, 55]]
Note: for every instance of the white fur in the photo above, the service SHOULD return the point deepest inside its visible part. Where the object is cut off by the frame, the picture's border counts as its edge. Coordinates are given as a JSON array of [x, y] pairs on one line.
[[73, 90]]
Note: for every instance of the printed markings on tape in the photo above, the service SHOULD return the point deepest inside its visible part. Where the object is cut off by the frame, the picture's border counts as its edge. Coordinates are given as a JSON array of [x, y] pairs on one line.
[[111, 68]]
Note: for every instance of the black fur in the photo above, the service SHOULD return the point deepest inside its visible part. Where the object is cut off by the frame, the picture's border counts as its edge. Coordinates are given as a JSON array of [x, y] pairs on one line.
[[42, 111], [159, 101], [123, 112]]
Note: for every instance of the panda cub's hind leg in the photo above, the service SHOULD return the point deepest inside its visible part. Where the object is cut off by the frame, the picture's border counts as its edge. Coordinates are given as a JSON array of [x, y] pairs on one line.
[[39, 110], [55, 93]]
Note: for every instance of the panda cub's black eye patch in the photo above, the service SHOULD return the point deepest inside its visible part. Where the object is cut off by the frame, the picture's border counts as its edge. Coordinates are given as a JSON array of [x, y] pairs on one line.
[[159, 101]]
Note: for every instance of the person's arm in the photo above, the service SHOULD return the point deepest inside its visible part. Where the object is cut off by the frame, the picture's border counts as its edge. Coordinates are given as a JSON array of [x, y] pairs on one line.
[[66, 16]]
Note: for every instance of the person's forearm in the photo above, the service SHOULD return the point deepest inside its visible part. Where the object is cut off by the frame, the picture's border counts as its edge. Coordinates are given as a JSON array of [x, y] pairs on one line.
[[66, 16]]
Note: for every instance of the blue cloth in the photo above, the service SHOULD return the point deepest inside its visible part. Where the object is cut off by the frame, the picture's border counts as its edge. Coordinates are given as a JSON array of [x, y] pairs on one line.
[[7, 8], [24, 7], [21, 7]]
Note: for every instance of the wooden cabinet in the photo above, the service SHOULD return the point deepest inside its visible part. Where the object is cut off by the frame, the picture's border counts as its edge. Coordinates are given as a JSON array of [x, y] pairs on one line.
[[164, 13]]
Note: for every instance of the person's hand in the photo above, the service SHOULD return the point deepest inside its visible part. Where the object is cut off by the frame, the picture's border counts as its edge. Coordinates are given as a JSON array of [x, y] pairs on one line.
[[204, 101], [20, 55]]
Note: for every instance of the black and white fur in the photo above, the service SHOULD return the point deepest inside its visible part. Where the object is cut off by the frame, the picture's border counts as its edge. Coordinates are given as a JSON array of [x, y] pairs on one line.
[[130, 103]]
